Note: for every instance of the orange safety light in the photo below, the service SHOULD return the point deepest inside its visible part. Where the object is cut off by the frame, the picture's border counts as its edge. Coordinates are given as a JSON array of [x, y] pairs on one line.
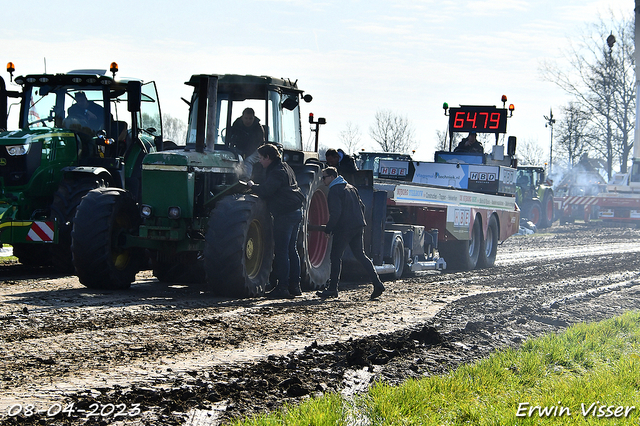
[[504, 98], [113, 68]]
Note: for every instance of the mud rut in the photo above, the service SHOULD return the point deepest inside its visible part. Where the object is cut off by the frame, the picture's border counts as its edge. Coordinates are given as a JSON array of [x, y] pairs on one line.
[[185, 357]]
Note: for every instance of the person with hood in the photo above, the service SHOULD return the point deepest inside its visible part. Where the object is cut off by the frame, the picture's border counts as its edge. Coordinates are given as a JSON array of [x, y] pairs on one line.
[[284, 200], [346, 223], [247, 134], [343, 163]]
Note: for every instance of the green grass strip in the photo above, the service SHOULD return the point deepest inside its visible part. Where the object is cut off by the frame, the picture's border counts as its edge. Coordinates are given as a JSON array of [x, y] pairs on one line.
[[588, 375]]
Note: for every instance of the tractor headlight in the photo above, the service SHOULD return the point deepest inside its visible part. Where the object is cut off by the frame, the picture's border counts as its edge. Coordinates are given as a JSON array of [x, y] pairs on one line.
[[174, 212], [14, 150], [145, 211]]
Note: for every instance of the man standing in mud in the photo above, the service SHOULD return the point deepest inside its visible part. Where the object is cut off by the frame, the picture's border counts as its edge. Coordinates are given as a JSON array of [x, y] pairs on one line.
[[346, 223]]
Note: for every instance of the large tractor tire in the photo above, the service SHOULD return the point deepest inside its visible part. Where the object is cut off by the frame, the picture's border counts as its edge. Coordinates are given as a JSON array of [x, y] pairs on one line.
[[463, 255], [32, 255], [489, 248], [63, 209], [238, 251], [313, 246], [103, 218], [546, 219], [533, 212]]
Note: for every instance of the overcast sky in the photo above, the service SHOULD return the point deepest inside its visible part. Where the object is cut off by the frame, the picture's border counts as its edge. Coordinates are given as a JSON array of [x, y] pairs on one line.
[[354, 57]]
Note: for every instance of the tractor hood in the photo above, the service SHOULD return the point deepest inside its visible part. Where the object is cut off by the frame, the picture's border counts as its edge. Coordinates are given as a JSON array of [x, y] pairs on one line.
[[187, 160], [29, 136]]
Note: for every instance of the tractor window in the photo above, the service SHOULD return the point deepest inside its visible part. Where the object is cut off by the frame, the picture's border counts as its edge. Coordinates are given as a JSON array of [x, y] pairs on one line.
[[291, 134], [150, 111], [84, 110], [41, 108]]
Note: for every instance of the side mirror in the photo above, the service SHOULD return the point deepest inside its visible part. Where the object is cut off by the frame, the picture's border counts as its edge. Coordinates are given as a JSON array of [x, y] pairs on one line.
[[134, 96], [290, 103], [511, 146]]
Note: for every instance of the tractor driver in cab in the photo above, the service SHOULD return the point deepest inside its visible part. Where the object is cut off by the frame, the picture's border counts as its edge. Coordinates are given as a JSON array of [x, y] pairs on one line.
[[247, 134], [87, 113], [470, 144]]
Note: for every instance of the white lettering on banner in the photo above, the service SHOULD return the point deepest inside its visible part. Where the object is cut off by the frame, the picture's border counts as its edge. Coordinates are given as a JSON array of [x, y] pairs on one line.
[[447, 196]]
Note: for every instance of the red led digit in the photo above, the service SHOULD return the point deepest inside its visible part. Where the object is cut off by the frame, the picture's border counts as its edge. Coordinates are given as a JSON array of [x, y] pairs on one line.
[[495, 118], [472, 120], [486, 119], [459, 121]]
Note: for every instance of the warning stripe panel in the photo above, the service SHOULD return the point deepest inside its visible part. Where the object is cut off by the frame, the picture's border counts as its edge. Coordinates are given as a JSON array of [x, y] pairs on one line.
[[41, 231]]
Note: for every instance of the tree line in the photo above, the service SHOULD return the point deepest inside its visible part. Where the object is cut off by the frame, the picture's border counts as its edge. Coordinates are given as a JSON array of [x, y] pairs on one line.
[[598, 72]]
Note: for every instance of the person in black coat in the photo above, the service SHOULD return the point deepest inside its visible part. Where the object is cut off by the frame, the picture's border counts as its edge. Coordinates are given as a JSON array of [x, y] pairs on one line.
[[343, 163], [284, 200], [470, 144], [346, 223], [246, 135]]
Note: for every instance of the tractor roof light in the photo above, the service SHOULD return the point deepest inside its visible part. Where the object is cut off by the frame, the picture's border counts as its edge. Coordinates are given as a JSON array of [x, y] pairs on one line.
[[113, 68], [10, 69], [445, 107], [511, 108]]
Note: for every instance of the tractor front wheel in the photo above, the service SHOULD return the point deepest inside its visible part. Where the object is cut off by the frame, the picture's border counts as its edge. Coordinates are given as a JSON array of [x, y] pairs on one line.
[[239, 247], [63, 209], [103, 219]]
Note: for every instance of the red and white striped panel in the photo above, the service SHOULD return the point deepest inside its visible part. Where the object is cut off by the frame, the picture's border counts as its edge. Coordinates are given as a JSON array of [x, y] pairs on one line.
[[41, 231], [580, 201]]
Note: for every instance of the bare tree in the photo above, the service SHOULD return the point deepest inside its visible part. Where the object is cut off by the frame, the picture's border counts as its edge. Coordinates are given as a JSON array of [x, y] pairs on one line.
[[529, 153], [600, 75], [574, 134], [350, 137], [392, 132], [443, 143], [173, 129]]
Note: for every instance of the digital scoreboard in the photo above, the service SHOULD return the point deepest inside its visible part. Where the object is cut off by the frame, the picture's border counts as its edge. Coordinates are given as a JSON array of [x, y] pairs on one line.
[[481, 119]]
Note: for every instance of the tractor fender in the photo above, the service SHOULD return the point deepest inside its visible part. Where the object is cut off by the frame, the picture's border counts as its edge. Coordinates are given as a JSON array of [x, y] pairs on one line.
[[113, 179]]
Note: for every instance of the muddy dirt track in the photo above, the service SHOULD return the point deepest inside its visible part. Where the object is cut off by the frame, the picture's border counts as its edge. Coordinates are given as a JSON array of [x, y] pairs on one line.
[[167, 354]]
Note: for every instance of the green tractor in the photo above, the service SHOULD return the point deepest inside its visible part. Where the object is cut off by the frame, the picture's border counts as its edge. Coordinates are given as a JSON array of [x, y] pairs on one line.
[[76, 132], [196, 221], [534, 195]]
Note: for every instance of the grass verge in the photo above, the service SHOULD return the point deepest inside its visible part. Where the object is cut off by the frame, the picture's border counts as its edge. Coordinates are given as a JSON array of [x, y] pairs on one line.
[[588, 375]]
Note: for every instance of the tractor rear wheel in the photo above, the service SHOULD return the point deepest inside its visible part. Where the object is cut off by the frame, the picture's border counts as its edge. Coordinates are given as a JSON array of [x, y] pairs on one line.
[[63, 209], [238, 249], [546, 219], [489, 248], [313, 246], [103, 218], [533, 212]]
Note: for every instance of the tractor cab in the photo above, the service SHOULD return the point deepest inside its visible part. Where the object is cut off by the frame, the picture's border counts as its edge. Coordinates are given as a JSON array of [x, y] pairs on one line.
[[249, 111]]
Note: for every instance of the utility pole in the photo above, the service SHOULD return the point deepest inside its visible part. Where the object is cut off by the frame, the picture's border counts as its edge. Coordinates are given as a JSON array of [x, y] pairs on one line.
[[550, 122]]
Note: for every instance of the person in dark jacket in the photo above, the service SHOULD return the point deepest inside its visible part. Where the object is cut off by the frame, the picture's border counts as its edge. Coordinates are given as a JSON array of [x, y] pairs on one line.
[[346, 223], [247, 134], [343, 163], [284, 200], [470, 144]]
